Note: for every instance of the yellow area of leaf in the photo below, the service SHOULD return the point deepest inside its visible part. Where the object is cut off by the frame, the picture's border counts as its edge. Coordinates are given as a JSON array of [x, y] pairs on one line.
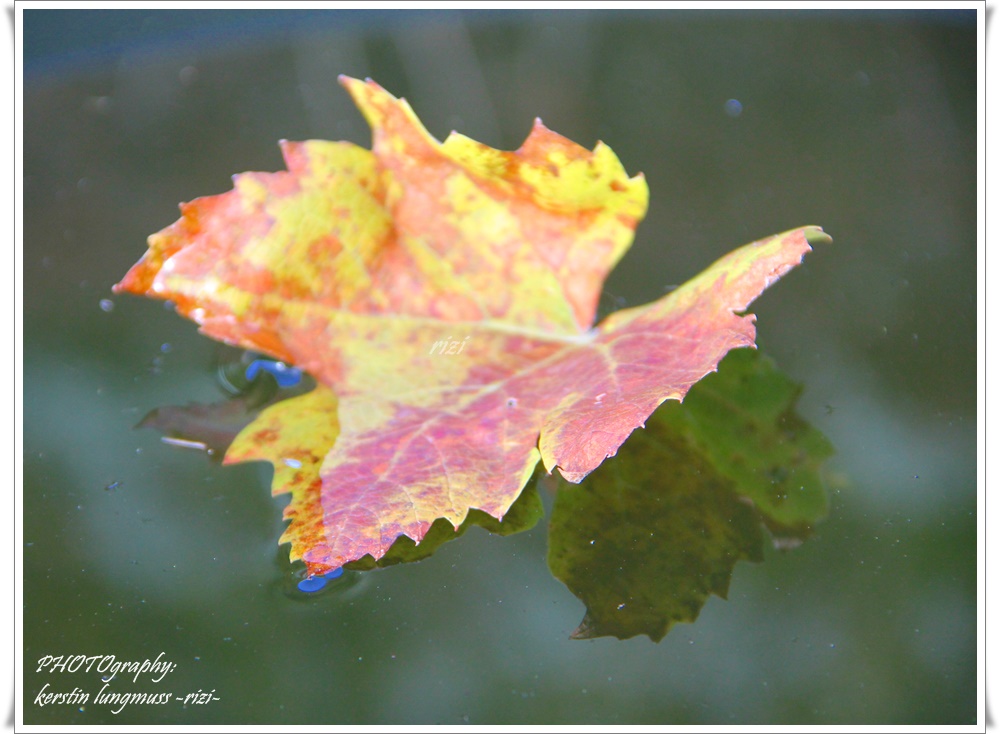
[[296, 448]]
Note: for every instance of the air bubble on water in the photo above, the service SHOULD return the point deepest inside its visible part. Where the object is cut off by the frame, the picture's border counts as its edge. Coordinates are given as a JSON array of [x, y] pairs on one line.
[[107, 305], [165, 347], [733, 107]]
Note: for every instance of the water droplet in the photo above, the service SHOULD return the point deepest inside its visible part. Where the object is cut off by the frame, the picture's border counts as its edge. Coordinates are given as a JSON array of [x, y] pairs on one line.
[[99, 105], [294, 463], [188, 75], [165, 347], [733, 107], [107, 305]]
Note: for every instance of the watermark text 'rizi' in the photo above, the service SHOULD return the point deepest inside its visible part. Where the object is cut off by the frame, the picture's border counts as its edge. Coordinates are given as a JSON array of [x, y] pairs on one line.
[[448, 346]]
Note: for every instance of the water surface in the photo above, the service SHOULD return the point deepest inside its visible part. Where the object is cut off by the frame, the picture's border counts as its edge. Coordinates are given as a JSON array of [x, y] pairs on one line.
[[744, 124]]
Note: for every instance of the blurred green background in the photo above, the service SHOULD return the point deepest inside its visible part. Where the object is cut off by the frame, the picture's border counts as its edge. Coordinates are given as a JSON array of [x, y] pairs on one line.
[[861, 122]]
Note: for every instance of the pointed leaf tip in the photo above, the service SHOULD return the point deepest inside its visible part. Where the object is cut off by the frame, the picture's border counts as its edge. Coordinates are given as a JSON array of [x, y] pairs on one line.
[[816, 237]]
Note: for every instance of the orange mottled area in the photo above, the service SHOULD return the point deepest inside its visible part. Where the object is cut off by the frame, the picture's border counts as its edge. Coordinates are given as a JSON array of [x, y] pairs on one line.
[[443, 295], [453, 231]]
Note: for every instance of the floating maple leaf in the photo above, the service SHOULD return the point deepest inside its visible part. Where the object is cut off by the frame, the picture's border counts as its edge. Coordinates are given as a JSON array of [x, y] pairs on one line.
[[443, 296]]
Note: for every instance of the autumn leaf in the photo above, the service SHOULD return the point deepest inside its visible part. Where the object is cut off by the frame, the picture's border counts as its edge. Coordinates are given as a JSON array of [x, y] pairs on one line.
[[646, 538], [443, 297]]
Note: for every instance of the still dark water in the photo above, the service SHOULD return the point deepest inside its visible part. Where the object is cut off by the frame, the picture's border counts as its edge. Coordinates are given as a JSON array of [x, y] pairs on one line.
[[744, 124]]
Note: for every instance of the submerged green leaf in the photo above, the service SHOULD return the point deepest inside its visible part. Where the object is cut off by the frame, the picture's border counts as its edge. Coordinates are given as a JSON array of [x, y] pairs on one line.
[[743, 420], [648, 536]]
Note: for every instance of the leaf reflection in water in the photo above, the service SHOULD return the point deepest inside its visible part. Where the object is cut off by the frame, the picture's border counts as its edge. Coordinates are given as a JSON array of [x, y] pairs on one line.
[[254, 385]]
